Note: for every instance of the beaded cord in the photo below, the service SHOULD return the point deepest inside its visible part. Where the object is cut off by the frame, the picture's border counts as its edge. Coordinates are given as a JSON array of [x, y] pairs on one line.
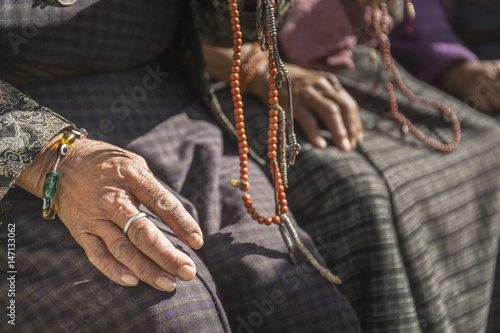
[[277, 118], [50, 187], [382, 30]]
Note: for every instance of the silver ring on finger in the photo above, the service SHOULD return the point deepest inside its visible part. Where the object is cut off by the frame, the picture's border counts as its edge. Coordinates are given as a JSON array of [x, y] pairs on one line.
[[131, 221]]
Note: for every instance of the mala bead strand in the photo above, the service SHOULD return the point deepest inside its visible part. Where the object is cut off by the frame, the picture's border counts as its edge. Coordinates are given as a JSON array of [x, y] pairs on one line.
[[382, 31], [277, 116], [243, 184], [50, 187]]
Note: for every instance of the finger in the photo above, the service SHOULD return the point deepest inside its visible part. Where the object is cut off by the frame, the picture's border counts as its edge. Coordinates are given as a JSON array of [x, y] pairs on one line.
[[167, 207], [330, 113], [309, 125], [348, 107], [128, 254], [152, 243], [102, 259]]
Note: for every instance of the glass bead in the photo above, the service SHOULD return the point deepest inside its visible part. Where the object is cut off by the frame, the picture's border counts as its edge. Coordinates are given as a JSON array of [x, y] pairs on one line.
[[53, 176], [47, 203], [49, 189], [68, 138], [62, 149], [48, 214]]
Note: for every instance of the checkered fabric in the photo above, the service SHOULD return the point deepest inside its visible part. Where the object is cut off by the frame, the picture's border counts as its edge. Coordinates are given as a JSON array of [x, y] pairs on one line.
[[245, 281], [412, 232]]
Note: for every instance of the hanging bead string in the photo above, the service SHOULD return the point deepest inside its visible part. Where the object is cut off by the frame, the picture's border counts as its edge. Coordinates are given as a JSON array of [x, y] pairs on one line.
[[50, 187], [382, 30], [277, 116]]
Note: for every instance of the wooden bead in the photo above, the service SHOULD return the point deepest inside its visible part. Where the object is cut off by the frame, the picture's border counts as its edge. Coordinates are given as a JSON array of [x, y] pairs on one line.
[[284, 210], [251, 210], [242, 144], [255, 216], [282, 195], [260, 220], [271, 154], [243, 151], [268, 221], [239, 119], [273, 100], [239, 125], [237, 42], [272, 147], [246, 197], [234, 76], [283, 203], [248, 204], [272, 141], [245, 187], [244, 178], [237, 48], [238, 105], [244, 157], [276, 219], [234, 83], [236, 91], [237, 35], [235, 69], [243, 164], [242, 137], [235, 21], [244, 171], [234, 13]]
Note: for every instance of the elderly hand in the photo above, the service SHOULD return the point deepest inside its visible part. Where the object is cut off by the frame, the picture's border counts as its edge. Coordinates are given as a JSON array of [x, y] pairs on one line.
[[478, 83], [319, 98], [101, 187]]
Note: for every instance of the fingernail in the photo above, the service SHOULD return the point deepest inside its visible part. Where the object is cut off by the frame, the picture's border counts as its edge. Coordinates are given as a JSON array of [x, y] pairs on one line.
[[166, 283], [195, 241], [346, 145], [322, 142], [186, 272], [129, 280]]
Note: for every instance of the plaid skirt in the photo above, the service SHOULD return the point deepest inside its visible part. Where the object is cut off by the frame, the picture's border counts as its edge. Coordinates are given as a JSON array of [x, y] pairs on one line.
[[245, 281], [412, 232]]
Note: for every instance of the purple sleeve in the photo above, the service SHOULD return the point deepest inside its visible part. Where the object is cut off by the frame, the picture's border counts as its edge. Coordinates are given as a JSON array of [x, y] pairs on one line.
[[432, 45]]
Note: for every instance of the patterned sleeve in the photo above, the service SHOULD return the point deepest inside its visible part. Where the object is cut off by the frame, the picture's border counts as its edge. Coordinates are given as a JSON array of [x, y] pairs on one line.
[[25, 128]]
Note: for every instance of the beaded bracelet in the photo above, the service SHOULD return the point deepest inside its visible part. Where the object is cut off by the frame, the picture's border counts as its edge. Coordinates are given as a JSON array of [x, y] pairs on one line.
[[50, 187]]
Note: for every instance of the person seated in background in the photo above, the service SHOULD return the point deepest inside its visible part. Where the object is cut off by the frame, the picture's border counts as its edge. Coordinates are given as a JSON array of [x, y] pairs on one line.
[[454, 45], [412, 231]]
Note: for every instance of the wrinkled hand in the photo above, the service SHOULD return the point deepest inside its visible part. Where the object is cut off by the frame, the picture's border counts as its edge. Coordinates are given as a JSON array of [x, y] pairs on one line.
[[319, 97], [101, 186], [478, 83]]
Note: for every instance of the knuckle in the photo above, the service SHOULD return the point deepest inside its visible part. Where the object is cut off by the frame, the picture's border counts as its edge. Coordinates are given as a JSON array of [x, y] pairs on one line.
[[141, 233], [122, 250], [96, 255], [173, 259], [168, 204]]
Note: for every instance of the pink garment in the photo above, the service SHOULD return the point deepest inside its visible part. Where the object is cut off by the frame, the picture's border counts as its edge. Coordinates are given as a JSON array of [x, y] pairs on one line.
[[320, 34]]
